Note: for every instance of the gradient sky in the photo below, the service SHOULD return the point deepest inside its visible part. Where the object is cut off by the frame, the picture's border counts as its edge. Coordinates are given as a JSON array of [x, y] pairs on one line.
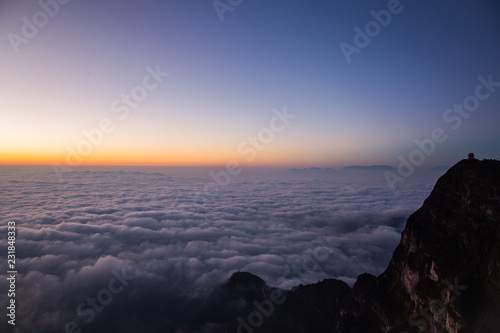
[[226, 77]]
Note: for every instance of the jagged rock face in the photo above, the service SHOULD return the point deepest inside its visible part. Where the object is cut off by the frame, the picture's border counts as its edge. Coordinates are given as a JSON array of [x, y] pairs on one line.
[[444, 275]]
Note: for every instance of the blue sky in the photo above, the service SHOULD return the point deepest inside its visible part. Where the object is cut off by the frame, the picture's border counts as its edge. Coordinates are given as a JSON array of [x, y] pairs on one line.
[[226, 77]]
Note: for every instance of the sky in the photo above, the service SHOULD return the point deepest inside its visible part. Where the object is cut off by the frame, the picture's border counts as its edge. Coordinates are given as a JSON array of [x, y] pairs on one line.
[[223, 74], [292, 84]]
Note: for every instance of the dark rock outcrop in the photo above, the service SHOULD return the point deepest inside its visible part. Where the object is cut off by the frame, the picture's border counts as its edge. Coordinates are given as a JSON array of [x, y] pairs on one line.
[[444, 274]]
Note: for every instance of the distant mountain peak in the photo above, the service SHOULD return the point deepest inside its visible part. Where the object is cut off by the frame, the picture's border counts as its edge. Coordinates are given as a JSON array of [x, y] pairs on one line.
[[368, 167]]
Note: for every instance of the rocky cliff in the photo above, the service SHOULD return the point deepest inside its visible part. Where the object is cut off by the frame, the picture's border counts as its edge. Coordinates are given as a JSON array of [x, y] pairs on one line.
[[444, 275]]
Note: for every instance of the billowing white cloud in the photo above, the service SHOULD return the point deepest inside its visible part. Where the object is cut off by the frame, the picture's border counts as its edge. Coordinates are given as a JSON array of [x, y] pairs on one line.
[[74, 236]]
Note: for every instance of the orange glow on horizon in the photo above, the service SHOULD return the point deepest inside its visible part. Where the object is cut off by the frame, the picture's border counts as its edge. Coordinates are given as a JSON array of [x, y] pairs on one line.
[[300, 155], [207, 158]]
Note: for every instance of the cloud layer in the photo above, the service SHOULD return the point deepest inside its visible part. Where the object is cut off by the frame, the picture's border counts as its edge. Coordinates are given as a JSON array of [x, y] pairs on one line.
[[75, 236]]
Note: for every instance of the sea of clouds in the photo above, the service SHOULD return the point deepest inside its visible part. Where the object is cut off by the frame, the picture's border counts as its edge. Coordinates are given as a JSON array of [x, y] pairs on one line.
[[76, 235]]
